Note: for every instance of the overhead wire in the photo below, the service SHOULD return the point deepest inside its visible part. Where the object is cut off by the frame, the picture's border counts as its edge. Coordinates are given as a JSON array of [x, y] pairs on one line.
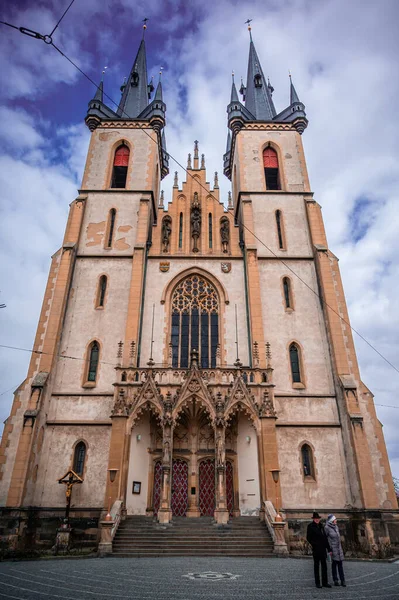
[[39, 36]]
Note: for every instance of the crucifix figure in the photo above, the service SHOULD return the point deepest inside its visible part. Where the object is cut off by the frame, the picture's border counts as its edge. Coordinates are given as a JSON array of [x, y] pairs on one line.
[[69, 480]]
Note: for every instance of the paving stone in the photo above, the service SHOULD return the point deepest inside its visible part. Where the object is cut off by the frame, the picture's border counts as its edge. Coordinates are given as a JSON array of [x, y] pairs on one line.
[[190, 578]]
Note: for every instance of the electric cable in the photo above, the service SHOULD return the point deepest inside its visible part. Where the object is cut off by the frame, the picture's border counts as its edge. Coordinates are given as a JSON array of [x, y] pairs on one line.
[[65, 12], [48, 40]]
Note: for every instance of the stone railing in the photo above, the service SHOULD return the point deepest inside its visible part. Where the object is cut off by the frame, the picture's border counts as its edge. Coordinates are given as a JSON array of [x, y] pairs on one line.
[[109, 528], [276, 527], [165, 375]]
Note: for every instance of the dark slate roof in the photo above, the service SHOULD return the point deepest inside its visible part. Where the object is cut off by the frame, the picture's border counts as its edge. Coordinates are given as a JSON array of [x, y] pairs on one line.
[[258, 98], [135, 95]]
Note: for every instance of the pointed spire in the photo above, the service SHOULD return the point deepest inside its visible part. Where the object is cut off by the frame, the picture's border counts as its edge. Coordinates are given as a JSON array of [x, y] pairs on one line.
[[229, 201], [161, 200], [202, 161], [99, 96], [189, 161], [234, 95], [293, 95], [176, 181], [195, 154], [258, 99], [135, 95], [216, 181], [158, 93]]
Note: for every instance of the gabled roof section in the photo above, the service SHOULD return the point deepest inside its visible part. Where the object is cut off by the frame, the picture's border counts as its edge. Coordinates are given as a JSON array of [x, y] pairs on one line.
[[135, 94], [258, 98]]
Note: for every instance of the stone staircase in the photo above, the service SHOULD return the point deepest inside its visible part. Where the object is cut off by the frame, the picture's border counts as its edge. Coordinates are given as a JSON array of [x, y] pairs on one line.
[[139, 536]]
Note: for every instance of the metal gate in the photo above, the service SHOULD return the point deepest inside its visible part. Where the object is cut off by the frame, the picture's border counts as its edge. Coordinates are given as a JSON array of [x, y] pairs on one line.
[[179, 488], [156, 502], [207, 487], [229, 487]]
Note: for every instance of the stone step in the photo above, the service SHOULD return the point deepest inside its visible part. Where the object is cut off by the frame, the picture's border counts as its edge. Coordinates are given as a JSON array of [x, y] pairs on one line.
[[154, 554]]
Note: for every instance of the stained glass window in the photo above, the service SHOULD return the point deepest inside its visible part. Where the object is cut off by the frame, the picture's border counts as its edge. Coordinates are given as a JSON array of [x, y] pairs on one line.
[[94, 354], [295, 366], [79, 458], [195, 325], [279, 229], [102, 288], [307, 462], [287, 292]]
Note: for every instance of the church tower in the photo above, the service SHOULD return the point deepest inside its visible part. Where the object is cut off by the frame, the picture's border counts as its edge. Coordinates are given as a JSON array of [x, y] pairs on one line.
[[195, 359]]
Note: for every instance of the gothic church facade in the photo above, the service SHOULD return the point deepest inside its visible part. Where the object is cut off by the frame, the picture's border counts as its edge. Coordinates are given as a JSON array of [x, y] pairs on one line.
[[188, 352]]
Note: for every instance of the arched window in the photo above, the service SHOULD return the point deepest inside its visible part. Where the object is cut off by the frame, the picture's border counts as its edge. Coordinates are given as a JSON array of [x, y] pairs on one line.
[[110, 228], [270, 164], [307, 460], [295, 364], [102, 288], [287, 293], [119, 171], [79, 458], [181, 230], [93, 357], [210, 229], [280, 229], [195, 325]]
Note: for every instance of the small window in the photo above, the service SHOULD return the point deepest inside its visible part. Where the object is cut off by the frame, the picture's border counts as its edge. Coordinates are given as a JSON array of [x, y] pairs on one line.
[[121, 162], [307, 461], [295, 364], [79, 458], [102, 288], [270, 164], [287, 293], [210, 229], [181, 230], [280, 229], [94, 354], [110, 228]]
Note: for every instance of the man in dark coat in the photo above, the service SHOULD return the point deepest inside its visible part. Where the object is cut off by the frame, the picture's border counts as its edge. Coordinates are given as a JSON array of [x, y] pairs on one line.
[[320, 546]]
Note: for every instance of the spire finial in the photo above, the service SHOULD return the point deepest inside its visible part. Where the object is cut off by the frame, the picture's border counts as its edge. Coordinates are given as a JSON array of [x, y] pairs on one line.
[[189, 161], [229, 201], [216, 181], [232, 76], [161, 200], [195, 154], [144, 25], [103, 73], [248, 22], [202, 161], [160, 73], [176, 181]]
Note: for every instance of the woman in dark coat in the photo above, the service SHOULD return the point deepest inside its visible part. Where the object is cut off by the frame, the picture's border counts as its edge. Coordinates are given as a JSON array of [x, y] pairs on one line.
[[337, 554], [318, 540]]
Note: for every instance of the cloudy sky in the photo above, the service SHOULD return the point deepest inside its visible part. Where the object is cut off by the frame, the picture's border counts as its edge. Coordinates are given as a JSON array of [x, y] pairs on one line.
[[343, 59]]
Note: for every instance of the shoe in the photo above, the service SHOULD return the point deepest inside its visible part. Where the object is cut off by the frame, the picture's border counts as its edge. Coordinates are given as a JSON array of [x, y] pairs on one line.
[[343, 583], [318, 585], [327, 585], [336, 583]]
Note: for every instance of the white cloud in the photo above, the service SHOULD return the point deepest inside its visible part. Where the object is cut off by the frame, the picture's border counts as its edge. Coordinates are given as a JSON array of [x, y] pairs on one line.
[[343, 60]]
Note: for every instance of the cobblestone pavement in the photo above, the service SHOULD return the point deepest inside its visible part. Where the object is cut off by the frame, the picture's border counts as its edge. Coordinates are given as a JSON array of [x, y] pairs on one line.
[[190, 579]]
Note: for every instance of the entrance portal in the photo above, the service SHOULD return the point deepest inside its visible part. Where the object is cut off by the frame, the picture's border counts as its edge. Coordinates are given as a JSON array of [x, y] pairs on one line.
[[179, 503], [207, 487]]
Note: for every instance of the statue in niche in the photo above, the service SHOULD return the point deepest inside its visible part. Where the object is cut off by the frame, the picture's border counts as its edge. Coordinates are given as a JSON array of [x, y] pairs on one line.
[[166, 232], [195, 221], [220, 453], [225, 234]]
